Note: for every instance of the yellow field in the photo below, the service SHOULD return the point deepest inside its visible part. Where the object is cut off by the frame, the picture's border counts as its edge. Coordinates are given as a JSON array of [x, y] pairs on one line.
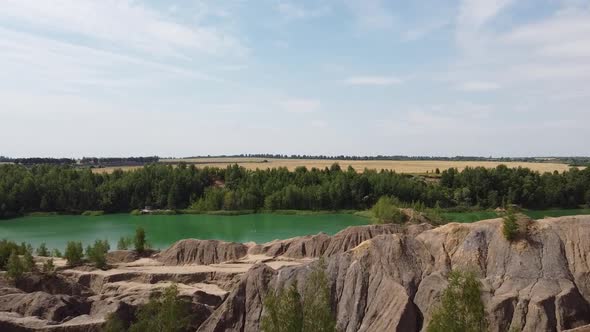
[[413, 167]]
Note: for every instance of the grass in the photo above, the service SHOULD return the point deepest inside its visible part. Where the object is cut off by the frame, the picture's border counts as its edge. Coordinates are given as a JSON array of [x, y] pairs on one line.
[[473, 216], [540, 214], [411, 166], [469, 217], [279, 212], [42, 214], [93, 213]]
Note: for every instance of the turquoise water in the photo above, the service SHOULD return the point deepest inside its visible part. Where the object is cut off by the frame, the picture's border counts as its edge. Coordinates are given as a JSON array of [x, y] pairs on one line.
[[163, 230]]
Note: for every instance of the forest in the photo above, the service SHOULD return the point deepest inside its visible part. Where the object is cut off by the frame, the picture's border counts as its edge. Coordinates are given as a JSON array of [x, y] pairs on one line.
[[64, 188]]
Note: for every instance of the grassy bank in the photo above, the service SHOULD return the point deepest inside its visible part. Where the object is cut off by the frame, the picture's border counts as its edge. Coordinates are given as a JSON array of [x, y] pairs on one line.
[[473, 216], [278, 212]]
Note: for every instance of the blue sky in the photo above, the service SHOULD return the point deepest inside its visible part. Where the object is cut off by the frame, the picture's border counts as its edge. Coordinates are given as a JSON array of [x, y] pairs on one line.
[[358, 77]]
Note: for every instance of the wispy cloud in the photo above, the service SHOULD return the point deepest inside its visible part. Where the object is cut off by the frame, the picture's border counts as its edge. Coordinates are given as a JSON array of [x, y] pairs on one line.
[[371, 14], [300, 105], [373, 80], [124, 23], [473, 16], [477, 86], [293, 11]]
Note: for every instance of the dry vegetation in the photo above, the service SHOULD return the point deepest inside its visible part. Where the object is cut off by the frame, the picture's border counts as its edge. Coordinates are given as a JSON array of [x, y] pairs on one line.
[[413, 167]]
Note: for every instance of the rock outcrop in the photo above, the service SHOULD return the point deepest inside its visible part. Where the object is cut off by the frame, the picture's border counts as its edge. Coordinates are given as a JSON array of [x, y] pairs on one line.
[[203, 252], [382, 277], [313, 246], [393, 281]]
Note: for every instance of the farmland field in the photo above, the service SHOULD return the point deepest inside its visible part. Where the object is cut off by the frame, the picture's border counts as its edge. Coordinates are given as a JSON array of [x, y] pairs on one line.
[[411, 166]]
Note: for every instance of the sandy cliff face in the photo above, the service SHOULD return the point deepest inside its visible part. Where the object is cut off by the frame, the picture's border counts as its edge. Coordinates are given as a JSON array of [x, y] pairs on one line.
[[393, 281], [382, 278]]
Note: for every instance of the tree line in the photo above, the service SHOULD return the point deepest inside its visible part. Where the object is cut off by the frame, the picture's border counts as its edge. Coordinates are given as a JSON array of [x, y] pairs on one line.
[[63, 188], [577, 161]]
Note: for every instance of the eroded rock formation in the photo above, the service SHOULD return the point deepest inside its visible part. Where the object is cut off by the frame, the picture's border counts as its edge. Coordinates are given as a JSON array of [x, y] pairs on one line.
[[383, 277], [393, 281]]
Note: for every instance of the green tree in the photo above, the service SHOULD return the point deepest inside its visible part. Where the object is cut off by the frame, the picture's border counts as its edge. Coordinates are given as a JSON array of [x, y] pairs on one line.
[[510, 225], [48, 266], [56, 253], [97, 253], [14, 268], [124, 243], [28, 261], [165, 313], [461, 308], [386, 210], [6, 249], [114, 324], [74, 253], [283, 311], [140, 244], [42, 250], [317, 307]]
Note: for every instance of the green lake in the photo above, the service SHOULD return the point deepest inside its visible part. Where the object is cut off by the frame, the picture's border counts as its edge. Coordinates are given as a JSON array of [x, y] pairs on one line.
[[163, 230]]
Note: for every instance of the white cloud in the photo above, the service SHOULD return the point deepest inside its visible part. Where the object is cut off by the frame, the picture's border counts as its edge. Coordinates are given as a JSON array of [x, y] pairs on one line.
[[373, 80], [473, 16], [124, 23], [371, 14], [319, 124], [292, 11], [478, 86], [300, 105], [36, 62]]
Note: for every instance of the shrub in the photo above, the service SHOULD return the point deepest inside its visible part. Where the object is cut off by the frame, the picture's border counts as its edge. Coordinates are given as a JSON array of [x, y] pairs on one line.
[[386, 210], [317, 313], [114, 324], [286, 310], [283, 311], [14, 267], [97, 253], [42, 250], [48, 266], [124, 243], [93, 213], [461, 308], [167, 312], [74, 253], [24, 247], [56, 253], [139, 241], [6, 249], [28, 262], [510, 226]]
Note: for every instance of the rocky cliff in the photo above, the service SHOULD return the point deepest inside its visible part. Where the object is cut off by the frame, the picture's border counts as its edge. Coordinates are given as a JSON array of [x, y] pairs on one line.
[[392, 281], [383, 277]]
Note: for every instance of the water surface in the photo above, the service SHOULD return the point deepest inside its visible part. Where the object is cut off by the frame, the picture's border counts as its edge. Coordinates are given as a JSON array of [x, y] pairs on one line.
[[163, 230]]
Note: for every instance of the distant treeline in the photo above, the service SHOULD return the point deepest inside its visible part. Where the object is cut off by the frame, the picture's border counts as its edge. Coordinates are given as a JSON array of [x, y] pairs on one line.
[[94, 161], [67, 189], [118, 161], [574, 161], [38, 161], [86, 161]]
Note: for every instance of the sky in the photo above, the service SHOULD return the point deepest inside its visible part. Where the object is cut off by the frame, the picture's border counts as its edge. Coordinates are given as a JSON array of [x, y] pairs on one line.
[[353, 77]]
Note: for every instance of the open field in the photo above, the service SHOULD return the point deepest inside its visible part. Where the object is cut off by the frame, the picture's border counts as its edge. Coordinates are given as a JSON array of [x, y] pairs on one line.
[[111, 169], [412, 166]]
